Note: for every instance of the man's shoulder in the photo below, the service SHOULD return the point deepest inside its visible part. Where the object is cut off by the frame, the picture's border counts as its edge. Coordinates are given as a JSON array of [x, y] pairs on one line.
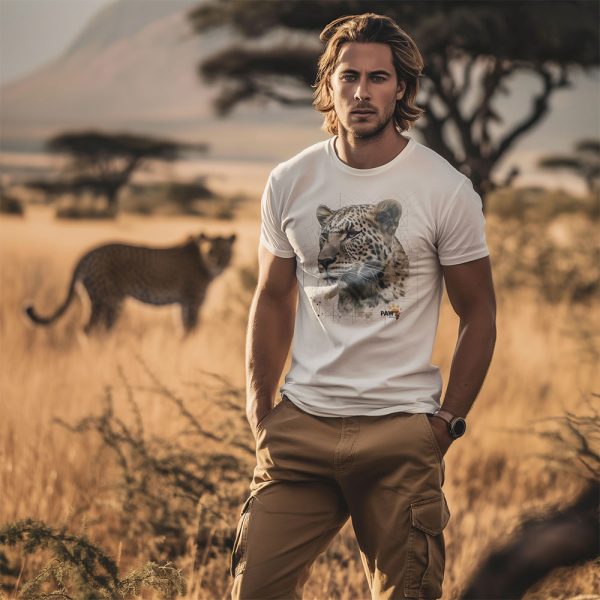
[[434, 168], [434, 164], [305, 159]]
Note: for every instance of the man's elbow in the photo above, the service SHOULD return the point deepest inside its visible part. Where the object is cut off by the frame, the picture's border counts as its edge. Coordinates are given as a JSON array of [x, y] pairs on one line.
[[481, 317]]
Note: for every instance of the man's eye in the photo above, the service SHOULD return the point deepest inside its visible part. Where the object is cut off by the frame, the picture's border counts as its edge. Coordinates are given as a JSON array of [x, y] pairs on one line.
[[346, 76], [379, 77]]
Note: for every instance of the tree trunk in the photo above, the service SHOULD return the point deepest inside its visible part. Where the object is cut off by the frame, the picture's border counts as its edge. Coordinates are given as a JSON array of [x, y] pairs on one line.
[[112, 198]]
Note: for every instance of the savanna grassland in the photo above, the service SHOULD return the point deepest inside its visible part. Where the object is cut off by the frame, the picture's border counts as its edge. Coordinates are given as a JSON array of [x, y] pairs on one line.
[[138, 439]]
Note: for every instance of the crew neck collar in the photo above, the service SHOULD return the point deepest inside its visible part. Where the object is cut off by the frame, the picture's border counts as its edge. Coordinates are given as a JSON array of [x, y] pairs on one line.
[[335, 159]]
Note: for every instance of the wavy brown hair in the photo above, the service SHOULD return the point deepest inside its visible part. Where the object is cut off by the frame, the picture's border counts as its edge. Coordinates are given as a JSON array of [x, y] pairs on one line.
[[369, 27]]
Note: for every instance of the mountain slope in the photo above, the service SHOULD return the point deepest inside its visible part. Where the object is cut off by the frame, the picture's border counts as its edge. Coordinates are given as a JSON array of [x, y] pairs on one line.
[[121, 20]]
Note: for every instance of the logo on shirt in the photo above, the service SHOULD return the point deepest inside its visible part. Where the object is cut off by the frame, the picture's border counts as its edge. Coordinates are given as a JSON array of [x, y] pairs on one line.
[[393, 311]]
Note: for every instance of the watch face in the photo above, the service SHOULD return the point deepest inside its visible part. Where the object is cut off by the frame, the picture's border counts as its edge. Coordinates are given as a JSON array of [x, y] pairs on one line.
[[459, 427]]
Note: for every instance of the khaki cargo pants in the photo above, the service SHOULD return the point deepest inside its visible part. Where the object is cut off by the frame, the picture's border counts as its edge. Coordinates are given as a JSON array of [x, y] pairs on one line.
[[312, 473]]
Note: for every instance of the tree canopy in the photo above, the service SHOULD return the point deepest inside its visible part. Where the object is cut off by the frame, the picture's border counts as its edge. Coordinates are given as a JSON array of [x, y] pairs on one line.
[[470, 49], [103, 162]]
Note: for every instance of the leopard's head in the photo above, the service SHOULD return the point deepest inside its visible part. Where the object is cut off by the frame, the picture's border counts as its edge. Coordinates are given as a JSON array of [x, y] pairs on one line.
[[355, 242], [216, 251]]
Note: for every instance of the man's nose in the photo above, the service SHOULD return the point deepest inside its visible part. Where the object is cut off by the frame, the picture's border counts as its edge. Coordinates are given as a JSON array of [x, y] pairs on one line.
[[362, 91]]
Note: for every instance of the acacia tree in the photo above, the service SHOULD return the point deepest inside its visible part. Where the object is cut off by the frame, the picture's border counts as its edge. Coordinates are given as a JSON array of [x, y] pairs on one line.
[[104, 162], [584, 162], [471, 49]]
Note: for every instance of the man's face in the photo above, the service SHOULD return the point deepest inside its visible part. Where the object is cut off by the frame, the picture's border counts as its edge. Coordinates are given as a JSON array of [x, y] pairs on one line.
[[365, 79]]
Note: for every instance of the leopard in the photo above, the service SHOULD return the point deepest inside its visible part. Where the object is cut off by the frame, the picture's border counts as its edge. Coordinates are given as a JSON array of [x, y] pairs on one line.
[[359, 251], [178, 274]]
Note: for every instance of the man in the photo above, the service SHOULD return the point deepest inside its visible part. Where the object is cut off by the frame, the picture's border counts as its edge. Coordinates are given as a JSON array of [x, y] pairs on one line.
[[361, 230]]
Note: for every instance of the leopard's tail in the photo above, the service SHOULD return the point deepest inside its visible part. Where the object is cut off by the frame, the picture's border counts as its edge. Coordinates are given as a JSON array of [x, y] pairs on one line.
[[30, 311]]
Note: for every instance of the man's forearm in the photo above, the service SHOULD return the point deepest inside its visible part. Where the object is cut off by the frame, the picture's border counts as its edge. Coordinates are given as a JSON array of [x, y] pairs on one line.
[[470, 363], [270, 331]]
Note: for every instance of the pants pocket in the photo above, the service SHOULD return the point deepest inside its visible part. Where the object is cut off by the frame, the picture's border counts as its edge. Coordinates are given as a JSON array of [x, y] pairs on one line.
[[431, 436], [238, 554], [426, 548], [268, 416]]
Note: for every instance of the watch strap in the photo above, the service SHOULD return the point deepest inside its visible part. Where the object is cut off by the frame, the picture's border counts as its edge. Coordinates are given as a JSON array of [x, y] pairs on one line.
[[445, 415]]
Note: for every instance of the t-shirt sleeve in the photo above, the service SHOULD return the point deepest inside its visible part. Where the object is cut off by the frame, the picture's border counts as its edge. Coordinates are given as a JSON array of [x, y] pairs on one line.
[[272, 236], [461, 235]]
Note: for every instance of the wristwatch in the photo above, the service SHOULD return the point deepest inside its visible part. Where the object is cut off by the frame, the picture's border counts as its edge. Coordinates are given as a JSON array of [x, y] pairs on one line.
[[456, 425]]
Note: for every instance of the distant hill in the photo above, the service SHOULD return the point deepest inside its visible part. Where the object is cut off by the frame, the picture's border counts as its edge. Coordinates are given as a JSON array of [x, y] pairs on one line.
[[134, 67], [123, 19]]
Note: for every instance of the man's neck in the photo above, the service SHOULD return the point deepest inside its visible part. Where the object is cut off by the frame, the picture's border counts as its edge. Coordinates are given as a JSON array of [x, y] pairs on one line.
[[368, 153]]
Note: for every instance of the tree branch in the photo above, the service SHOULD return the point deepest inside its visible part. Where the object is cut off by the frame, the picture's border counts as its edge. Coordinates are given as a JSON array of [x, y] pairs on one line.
[[539, 109]]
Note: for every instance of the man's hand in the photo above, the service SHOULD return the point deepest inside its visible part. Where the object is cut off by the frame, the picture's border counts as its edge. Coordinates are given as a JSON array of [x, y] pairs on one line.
[[442, 435], [256, 411], [253, 422]]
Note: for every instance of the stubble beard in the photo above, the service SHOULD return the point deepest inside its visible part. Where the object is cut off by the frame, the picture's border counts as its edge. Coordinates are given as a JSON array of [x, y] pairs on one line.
[[375, 132]]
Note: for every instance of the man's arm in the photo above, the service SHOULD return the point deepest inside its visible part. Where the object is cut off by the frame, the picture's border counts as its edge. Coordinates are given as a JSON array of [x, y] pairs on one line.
[[471, 292], [270, 331]]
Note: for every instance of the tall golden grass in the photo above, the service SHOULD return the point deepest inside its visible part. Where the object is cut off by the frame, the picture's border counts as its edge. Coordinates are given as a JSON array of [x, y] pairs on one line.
[[544, 364]]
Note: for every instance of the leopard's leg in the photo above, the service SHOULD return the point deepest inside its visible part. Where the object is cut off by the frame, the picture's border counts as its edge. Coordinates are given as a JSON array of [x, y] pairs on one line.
[[191, 305], [190, 316], [111, 313], [96, 317]]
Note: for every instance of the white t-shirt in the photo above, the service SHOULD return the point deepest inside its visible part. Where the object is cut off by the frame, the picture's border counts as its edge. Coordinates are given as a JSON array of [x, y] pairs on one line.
[[368, 268]]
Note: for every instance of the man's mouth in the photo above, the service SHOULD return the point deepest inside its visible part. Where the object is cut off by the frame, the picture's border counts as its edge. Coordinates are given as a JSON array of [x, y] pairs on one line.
[[363, 112]]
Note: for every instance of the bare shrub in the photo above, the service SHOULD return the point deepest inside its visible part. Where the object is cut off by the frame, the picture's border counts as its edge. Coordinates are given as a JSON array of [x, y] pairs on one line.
[[173, 494], [9, 205], [79, 569]]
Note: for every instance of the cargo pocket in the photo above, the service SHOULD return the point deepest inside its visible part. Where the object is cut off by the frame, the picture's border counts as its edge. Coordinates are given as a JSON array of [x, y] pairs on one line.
[[426, 549], [238, 553]]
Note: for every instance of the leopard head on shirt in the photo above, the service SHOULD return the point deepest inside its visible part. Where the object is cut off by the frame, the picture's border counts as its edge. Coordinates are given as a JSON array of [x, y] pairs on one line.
[[359, 251]]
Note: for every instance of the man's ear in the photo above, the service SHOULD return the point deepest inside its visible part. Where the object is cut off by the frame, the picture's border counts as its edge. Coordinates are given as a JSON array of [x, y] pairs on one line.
[[401, 90]]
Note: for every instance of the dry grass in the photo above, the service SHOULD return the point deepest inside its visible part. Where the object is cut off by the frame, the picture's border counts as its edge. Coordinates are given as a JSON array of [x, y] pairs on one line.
[[543, 365]]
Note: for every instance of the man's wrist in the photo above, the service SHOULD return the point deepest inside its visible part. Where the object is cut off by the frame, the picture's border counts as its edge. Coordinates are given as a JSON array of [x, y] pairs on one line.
[[442, 426], [456, 426], [257, 407]]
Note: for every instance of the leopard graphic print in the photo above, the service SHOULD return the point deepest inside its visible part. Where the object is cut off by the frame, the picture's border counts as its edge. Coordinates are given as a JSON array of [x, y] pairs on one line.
[[359, 251]]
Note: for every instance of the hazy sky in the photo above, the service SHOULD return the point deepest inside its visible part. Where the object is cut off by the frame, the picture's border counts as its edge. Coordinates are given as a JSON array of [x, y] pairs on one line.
[[32, 32]]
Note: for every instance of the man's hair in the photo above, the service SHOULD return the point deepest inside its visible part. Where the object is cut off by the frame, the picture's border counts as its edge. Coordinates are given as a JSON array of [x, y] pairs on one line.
[[369, 27]]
